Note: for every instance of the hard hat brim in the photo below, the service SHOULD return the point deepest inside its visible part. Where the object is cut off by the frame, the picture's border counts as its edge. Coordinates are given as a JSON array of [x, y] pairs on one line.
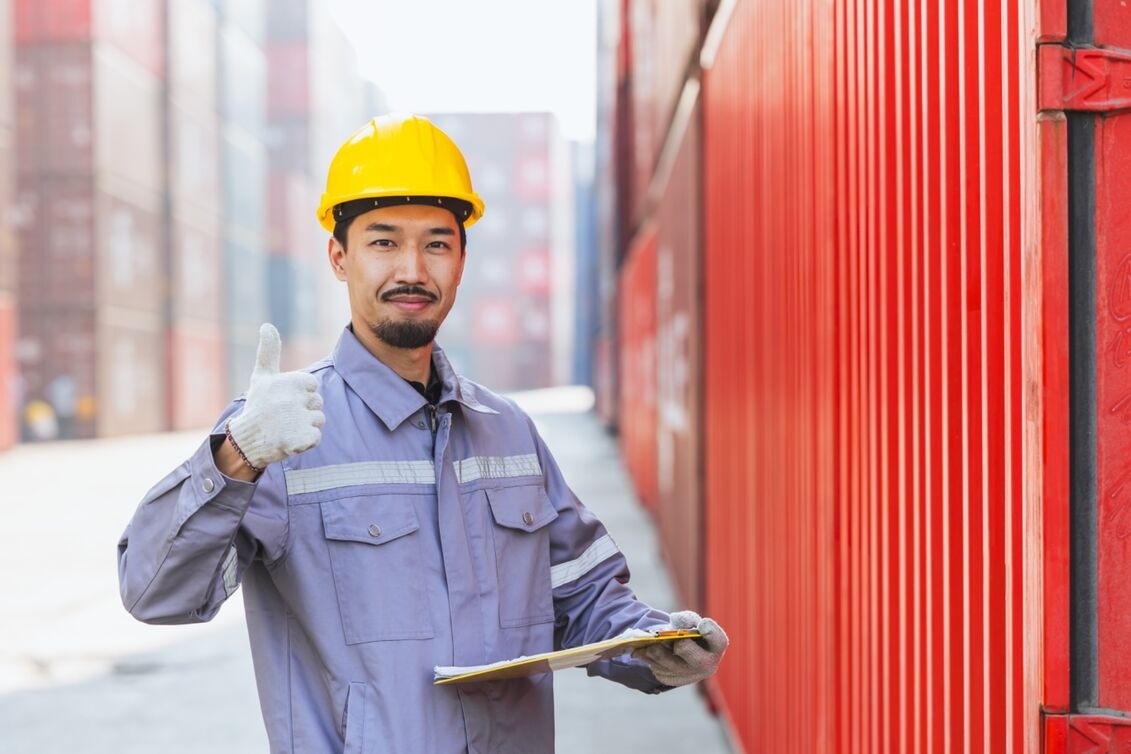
[[467, 208]]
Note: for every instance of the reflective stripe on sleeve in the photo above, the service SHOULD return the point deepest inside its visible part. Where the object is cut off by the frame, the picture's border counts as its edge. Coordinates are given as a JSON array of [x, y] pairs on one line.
[[563, 573], [354, 474], [497, 467]]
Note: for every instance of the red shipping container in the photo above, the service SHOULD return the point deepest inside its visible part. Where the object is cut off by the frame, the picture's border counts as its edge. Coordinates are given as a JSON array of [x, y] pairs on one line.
[[878, 522], [637, 378], [52, 20], [679, 291]]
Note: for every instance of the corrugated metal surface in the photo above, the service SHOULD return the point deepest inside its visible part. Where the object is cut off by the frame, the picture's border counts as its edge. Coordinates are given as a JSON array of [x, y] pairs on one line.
[[867, 542], [679, 357], [637, 378]]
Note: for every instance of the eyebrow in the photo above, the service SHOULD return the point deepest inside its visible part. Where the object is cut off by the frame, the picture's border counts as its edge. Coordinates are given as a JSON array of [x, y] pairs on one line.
[[440, 230]]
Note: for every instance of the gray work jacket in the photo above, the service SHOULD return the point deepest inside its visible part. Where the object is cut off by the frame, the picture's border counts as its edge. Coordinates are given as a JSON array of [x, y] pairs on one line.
[[411, 536]]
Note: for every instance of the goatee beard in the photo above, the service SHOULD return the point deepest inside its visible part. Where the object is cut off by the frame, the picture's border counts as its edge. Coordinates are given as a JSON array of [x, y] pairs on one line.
[[406, 334]]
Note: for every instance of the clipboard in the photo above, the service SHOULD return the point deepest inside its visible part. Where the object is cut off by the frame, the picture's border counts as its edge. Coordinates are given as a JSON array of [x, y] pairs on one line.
[[548, 662]]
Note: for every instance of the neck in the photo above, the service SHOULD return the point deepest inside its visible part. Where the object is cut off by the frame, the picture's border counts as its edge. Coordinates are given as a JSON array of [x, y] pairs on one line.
[[413, 364]]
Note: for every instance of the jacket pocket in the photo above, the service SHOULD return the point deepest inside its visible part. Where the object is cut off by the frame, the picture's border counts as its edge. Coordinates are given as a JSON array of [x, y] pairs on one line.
[[376, 560], [522, 553]]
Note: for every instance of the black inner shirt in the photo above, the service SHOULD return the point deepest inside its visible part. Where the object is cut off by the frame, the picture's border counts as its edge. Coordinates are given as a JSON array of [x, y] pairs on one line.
[[432, 392]]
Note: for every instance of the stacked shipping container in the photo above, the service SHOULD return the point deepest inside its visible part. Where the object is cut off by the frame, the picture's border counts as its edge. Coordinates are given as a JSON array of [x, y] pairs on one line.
[[660, 276], [243, 132], [9, 411], [312, 107], [89, 210], [883, 413], [141, 205], [512, 326], [196, 333]]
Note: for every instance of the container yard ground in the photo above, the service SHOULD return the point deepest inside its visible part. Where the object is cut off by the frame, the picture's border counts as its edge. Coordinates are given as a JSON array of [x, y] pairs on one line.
[[77, 674]]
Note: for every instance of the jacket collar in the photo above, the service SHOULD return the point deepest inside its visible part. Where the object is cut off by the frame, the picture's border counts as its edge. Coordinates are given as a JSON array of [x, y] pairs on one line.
[[386, 393]]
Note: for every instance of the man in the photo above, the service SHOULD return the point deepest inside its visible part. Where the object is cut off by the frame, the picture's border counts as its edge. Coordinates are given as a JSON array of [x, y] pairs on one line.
[[386, 515]]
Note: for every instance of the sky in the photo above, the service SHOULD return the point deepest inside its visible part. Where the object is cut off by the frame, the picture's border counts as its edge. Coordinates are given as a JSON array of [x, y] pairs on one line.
[[479, 55]]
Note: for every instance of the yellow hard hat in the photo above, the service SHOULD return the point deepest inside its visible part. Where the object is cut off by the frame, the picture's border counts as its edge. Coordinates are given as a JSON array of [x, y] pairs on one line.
[[398, 159]]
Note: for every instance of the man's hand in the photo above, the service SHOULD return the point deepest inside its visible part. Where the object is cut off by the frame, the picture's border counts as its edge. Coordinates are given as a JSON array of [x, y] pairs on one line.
[[282, 413], [685, 661]]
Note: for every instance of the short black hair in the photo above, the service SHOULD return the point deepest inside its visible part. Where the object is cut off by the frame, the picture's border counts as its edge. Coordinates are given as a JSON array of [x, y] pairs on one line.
[[342, 229]]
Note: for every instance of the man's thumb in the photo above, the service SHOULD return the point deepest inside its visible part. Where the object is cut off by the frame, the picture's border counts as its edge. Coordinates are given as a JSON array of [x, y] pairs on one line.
[[267, 357]]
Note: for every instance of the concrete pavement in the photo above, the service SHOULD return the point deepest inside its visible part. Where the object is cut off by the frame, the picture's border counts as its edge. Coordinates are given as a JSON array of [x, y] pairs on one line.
[[79, 675]]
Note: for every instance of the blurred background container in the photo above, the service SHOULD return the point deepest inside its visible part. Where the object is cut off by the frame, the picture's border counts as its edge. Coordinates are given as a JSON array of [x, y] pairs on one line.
[[160, 162]]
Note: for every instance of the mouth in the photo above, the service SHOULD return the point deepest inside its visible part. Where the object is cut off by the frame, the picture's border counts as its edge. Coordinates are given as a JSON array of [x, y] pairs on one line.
[[410, 301], [410, 304]]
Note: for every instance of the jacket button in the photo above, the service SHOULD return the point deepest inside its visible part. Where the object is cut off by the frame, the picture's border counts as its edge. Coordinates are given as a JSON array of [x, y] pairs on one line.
[[374, 530], [208, 485], [527, 518]]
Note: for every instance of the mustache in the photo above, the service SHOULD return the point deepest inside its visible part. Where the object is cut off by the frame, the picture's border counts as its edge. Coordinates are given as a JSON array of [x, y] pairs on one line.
[[409, 290]]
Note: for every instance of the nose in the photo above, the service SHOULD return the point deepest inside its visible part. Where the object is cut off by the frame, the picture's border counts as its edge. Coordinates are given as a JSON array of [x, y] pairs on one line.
[[412, 268]]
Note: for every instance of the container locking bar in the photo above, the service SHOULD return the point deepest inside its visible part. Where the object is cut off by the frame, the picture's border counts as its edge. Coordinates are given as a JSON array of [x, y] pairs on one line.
[[1083, 79], [1086, 734]]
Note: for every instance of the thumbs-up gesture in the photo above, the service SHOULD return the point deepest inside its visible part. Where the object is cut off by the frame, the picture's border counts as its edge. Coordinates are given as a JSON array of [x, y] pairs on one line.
[[282, 413]]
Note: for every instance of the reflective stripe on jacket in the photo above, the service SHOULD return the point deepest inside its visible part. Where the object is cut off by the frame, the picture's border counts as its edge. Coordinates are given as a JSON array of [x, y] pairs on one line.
[[408, 538]]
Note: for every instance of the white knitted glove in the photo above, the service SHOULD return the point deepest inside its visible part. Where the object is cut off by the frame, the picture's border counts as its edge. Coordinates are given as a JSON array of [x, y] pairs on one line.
[[685, 661], [282, 413]]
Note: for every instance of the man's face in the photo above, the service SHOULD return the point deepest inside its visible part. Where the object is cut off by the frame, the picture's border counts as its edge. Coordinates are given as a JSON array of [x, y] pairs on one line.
[[402, 266]]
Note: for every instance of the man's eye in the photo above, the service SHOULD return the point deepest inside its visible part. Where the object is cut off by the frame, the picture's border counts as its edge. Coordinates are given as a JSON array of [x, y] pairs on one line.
[[438, 245], [383, 242]]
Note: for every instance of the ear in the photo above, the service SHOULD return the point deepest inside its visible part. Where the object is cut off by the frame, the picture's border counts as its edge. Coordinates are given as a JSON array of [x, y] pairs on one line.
[[337, 254]]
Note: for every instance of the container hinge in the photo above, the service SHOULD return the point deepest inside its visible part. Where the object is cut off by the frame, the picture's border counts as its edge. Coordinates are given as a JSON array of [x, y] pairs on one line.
[[1083, 79], [1086, 734]]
